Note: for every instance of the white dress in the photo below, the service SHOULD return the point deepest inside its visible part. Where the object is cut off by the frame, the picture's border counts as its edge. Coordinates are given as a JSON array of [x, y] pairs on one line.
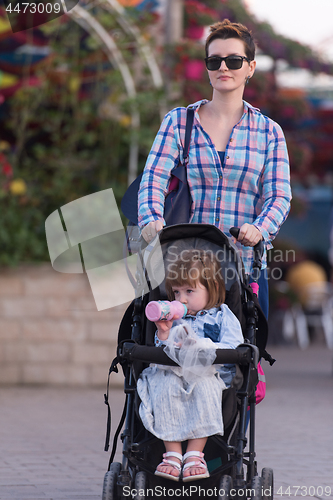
[[178, 404]]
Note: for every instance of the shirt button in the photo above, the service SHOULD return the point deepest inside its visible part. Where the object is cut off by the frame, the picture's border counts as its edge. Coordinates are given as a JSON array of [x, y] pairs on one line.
[[231, 140], [217, 219], [227, 157], [218, 198], [221, 176]]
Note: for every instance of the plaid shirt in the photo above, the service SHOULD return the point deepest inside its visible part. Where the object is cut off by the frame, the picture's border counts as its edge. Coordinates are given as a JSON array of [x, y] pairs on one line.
[[252, 185]]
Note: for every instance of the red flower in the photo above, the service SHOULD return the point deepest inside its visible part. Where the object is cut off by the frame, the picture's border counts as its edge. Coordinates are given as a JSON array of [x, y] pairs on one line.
[[6, 167], [7, 170]]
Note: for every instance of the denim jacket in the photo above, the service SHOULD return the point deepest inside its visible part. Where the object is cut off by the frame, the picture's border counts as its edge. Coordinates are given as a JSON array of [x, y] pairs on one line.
[[222, 327]]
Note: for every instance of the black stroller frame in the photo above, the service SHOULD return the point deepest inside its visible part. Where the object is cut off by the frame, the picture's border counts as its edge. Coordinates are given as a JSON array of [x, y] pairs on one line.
[[142, 451]]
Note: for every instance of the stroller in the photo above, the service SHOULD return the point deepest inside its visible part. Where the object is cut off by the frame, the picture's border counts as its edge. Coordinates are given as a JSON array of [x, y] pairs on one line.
[[232, 468]]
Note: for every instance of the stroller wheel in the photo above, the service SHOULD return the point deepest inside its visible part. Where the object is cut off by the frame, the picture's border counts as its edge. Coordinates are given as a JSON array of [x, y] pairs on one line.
[[256, 488], [140, 485], [267, 483], [110, 482], [225, 488]]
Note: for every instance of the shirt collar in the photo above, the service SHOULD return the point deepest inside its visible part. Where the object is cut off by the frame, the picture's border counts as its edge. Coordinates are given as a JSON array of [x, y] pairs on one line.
[[247, 105], [203, 312]]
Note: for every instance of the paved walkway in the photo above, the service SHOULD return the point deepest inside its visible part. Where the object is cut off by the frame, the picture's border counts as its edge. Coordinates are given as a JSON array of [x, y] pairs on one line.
[[51, 440], [295, 422]]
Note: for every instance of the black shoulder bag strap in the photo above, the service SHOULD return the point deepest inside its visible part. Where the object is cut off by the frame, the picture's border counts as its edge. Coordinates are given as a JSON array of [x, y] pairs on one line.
[[131, 229], [129, 202], [188, 132]]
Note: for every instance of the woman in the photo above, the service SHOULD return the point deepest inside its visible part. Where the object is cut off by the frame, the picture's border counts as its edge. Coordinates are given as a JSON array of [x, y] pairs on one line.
[[238, 169]]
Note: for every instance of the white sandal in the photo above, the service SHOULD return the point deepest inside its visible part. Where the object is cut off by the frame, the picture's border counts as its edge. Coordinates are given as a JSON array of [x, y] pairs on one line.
[[174, 464], [200, 462]]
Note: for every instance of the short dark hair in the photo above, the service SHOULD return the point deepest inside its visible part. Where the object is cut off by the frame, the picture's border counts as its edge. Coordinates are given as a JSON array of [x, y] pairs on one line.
[[208, 273], [226, 29]]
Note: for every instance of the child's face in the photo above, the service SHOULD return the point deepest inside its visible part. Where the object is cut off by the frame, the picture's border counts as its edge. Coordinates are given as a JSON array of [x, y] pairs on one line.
[[195, 299]]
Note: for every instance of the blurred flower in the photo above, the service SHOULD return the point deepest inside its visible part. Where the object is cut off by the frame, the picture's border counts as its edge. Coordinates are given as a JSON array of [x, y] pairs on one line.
[[74, 84], [7, 170], [4, 145], [194, 69], [125, 121], [198, 13], [18, 187], [6, 167]]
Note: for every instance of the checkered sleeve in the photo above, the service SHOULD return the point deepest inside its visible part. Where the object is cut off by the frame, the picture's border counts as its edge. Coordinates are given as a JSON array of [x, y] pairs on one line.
[[163, 157], [276, 192]]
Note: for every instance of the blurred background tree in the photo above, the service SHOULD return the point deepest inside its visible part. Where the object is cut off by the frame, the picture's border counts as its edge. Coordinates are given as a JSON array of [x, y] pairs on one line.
[[66, 125]]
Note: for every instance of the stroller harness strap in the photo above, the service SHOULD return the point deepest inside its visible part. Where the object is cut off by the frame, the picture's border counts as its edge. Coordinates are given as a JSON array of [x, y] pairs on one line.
[[113, 368]]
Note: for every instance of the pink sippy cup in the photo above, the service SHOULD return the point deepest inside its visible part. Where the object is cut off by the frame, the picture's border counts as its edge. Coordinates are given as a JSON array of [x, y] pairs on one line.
[[158, 310]]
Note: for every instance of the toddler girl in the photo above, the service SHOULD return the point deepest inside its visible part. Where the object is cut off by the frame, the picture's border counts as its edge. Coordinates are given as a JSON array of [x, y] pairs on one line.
[[176, 408]]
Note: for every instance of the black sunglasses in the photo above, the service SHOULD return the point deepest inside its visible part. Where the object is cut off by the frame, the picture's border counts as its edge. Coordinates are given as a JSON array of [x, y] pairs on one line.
[[213, 63]]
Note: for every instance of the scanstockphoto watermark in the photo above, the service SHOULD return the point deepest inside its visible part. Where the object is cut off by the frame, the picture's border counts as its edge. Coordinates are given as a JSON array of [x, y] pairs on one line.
[[193, 491], [86, 236], [177, 269], [226, 257], [23, 15], [230, 274]]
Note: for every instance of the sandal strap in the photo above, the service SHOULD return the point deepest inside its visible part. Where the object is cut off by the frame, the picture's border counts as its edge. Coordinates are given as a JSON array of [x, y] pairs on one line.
[[199, 462], [173, 454], [172, 463], [197, 454]]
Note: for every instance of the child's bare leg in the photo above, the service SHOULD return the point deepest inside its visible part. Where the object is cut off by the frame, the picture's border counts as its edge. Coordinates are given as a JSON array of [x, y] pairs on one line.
[[194, 445], [171, 446]]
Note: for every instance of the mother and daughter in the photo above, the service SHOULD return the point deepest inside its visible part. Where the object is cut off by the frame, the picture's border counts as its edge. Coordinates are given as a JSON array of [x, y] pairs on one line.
[[238, 175]]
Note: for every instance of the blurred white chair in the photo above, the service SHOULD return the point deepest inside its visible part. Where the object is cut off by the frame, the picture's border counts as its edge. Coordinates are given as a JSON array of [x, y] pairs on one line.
[[316, 310]]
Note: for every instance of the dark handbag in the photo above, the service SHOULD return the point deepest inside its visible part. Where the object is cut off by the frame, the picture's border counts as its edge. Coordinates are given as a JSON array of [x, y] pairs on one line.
[[177, 207]]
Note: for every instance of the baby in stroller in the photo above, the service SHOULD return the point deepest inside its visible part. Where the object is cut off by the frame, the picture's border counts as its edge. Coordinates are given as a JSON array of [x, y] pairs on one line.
[[176, 407]]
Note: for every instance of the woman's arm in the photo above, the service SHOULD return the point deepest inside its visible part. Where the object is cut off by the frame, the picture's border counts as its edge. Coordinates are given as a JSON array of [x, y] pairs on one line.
[[163, 157], [276, 192]]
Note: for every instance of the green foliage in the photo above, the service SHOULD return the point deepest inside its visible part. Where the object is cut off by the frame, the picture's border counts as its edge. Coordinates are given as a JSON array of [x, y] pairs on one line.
[[71, 135], [21, 232]]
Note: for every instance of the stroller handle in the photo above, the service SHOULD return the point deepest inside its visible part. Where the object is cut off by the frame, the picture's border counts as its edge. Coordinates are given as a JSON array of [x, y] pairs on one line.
[[258, 249], [242, 355]]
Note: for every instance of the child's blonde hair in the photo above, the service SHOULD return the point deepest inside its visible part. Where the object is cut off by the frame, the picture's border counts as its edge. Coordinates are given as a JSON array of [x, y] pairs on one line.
[[193, 267]]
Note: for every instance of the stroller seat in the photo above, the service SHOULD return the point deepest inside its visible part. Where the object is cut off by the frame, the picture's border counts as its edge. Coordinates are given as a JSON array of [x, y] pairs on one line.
[[225, 456]]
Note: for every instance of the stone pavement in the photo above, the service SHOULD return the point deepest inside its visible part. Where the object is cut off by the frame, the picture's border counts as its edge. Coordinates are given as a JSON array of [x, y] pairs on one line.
[[295, 422], [51, 440]]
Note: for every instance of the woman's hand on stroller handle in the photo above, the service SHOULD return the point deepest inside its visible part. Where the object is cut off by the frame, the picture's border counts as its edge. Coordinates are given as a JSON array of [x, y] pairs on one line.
[[248, 235], [149, 231], [258, 246]]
